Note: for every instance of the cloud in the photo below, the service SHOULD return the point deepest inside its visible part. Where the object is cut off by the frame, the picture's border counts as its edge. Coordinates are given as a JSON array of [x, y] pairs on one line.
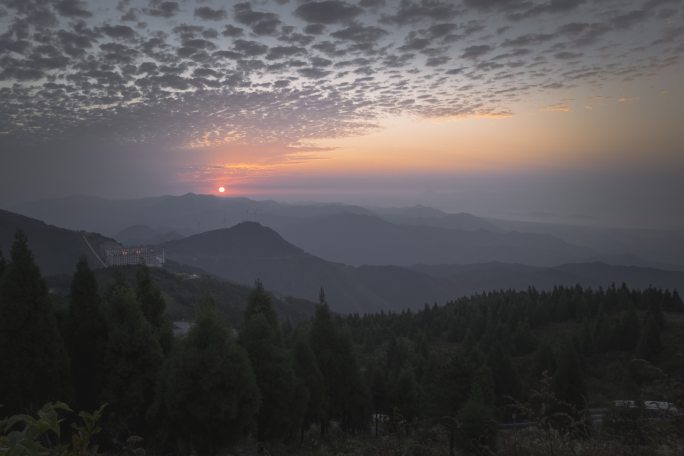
[[164, 9], [328, 12], [231, 30], [174, 79], [415, 11], [250, 48], [360, 33], [72, 8], [562, 106], [118, 31], [476, 51], [261, 23], [209, 14]]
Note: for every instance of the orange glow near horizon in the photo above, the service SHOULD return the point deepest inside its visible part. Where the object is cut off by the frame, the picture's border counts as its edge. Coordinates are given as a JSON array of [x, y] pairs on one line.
[[562, 132]]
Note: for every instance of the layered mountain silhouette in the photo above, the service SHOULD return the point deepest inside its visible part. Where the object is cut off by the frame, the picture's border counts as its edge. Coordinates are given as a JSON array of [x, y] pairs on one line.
[[406, 237], [250, 251], [364, 239], [56, 250], [145, 235]]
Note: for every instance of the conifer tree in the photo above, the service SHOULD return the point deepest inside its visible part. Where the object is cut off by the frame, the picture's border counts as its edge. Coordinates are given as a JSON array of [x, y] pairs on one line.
[[35, 365], [309, 375], [407, 397], [656, 311], [153, 307], [347, 395], [447, 387], [482, 389], [586, 339], [86, 337], [627, 330], [261, 338], [132, 361], [649, 346], [602, 333], [568, 381], [506, 381], [207, 397]]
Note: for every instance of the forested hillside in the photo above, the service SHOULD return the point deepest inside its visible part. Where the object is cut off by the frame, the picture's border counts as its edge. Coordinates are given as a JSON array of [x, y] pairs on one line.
[[461, 377]]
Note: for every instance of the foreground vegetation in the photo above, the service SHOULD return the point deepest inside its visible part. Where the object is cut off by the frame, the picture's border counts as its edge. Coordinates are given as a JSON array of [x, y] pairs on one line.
[[498, 373]]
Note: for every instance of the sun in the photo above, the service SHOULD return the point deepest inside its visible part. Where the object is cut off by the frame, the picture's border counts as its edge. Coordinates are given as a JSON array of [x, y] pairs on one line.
[[222, 189]]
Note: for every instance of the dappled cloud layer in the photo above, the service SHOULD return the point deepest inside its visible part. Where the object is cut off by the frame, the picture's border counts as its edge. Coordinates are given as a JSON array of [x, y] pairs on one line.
[[199, 74]]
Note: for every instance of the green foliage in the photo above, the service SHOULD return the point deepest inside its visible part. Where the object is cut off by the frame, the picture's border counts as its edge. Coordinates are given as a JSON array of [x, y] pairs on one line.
[[207, 397], [132, 360], [523, 339], [506, 380], [447, 385], [25, 435], [407, 395], [650, 345], [35, 364], [86, 337], [482, 389], [568, 380], [627, 330], [259, 302], [347, 396], [153, 307], [261, 338], [311, 379], [544, 360], [477, 428]]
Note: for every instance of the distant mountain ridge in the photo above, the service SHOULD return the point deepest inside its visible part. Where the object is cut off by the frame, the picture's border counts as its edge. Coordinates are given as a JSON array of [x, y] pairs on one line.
[[409, 235], [249, 250], [359, 239], [145, 235], [56, 250], [232, 253]]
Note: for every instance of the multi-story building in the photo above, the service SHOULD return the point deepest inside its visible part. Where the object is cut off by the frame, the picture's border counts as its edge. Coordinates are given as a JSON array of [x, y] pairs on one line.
[[123, 256]]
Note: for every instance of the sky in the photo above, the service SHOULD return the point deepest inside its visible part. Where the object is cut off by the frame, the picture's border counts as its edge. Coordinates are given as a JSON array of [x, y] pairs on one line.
[[556, 110]]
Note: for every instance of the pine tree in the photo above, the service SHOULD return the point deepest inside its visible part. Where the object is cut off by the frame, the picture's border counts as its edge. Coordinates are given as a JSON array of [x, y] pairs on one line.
[[407, 396], [568, 381], [602, 333], [656, 311], [153, 307], [586, 339], [309, 375], [627, 330], [523, 339], [482, 389], [207, 397], [649, 346], [506, 381], [35, 365], [86, 337], [347, 395], [446, 383], [261, 338], [132, 361]]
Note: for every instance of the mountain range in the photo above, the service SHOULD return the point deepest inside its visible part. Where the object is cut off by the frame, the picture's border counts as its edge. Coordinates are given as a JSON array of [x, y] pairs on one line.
[[56, 250], [404, 238], [464, 261]]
